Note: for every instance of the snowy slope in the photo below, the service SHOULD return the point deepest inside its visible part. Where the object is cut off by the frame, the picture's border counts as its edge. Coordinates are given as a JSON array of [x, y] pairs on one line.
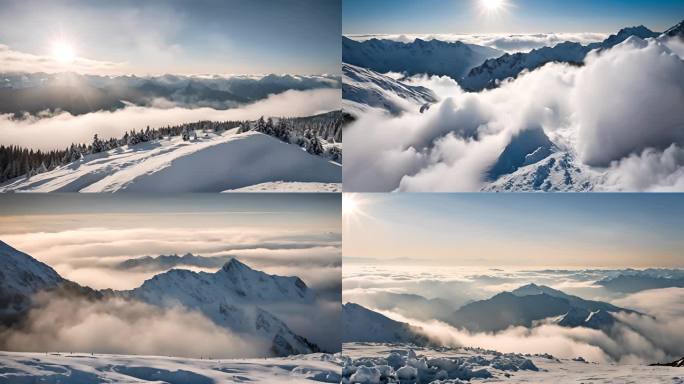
[[432, 57], [362, 324], [233, 298], [422, 365], [559, 172], [364, 87], [212, 164], [17, 367], [290, 186], [493, 71], [20, 277]]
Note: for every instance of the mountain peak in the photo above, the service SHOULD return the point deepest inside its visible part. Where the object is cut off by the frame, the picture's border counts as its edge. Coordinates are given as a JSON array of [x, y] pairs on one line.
[[236, 265]]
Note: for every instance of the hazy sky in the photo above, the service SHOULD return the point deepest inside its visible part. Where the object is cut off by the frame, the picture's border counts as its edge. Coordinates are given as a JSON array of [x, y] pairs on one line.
[[546, 230], [516, 16], [85, 237], [175, 36]]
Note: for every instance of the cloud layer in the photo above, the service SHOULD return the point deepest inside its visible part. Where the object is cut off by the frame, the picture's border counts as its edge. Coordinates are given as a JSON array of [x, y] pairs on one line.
[[636, 339], [618, 115], [60, 130], [125, 327]]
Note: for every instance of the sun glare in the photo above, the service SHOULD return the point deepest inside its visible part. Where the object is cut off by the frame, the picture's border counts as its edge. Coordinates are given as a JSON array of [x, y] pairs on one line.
[[350, 205], [492, 5], [63, 52]]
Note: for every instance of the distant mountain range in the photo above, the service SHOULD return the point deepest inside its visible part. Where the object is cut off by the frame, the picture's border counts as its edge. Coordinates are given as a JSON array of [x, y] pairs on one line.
[[490, 73], [234, 297], [78, 94], [432, 57], [475, 67], [525, 306]]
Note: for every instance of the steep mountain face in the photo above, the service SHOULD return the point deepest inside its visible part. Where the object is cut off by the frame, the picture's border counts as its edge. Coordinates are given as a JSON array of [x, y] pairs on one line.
[[21, 276], [559, 172], [493, 71], [530, 303], [527, 147], [360, 324], [432, 57], [365, 87], [677, 30], [233, 297]]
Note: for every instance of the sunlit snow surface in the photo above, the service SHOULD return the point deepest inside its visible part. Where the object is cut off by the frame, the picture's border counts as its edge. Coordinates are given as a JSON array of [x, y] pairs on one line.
[[490, 366], [16, 367], [214, 163]]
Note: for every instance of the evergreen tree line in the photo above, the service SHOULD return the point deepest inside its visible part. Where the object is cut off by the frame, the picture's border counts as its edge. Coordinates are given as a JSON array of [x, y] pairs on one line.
[[16, 161]]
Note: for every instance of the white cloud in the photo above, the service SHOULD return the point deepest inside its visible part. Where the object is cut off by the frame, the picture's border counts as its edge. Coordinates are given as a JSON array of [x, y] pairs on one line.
[[125, 327], [617, 114], [60, 130], [15, 61]]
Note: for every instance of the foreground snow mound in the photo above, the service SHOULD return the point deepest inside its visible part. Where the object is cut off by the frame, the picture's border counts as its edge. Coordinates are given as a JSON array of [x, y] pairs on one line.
[[404, 366], [17, 367], [214, 163], [396, 363]]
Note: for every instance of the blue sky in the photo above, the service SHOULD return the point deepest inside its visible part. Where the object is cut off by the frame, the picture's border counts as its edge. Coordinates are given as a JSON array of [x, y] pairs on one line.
[[520, 16], [178, 36], [580, 230]]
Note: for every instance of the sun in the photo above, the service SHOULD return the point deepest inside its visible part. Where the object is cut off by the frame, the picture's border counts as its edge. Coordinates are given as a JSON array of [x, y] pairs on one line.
[[492, 5], [63, 52], [350, 205]]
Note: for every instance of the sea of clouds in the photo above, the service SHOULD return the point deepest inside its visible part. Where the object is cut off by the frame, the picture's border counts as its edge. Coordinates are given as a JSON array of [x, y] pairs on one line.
[[619, 115], [653, 336]]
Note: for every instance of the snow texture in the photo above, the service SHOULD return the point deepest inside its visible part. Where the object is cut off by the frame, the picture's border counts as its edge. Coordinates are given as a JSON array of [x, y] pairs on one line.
[[216, 163]]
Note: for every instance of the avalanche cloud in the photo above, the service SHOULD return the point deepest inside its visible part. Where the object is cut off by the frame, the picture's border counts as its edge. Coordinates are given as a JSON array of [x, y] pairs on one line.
[[616, 124]]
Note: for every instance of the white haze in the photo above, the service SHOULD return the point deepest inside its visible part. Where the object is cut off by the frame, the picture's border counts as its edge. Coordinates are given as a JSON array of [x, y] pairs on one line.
[[125, 327], [60, 130], [620, 114]]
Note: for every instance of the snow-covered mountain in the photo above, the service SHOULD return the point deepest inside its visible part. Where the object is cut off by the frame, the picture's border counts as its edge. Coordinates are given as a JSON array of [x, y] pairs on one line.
[[21, 276], [235, 297], [528, 304], [432, 57], [490, 73], [527, 147], [677, 30], [364, 325], [559, 172], [174, 165], [362, 88]]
